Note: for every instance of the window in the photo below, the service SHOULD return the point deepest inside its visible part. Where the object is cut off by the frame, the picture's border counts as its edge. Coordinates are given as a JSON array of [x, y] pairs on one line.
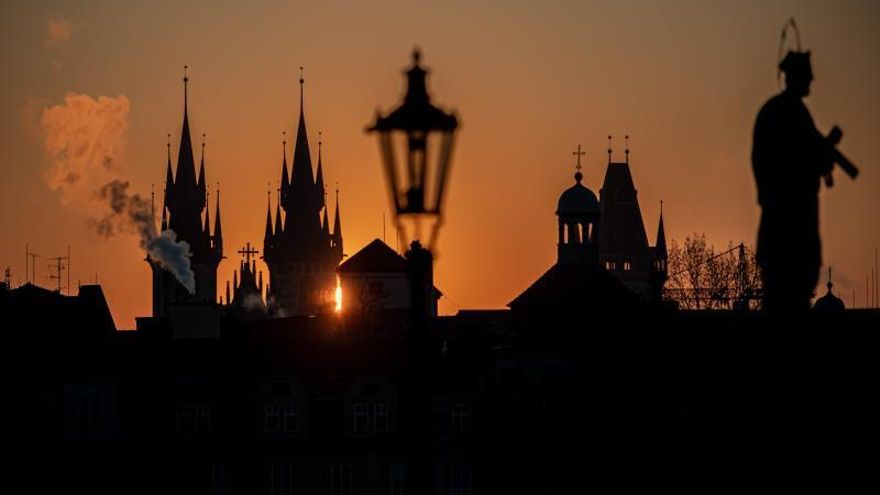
[[281, 418], [627, 266], [203, 418], [193, 418], [610, 266], [340, 479], [370, 417], [291, 418], [398, 479], [281, 479], [380, 417], [460, 479], [273, 418], [361, 417], [185, 421], [461, 417]]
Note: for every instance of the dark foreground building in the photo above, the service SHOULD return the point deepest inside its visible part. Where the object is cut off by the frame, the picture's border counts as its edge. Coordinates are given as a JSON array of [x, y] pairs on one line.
[[512, 403]]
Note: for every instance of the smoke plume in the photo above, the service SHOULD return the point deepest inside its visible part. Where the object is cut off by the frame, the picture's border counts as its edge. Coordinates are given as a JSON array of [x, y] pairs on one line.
[[132, 213], [84, 139]]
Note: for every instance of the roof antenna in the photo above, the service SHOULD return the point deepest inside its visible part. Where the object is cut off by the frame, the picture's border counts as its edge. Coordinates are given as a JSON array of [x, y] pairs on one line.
[[627, 148]]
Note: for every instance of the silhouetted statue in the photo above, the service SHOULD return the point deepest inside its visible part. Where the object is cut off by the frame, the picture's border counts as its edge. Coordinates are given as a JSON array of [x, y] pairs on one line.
[[789, 157]]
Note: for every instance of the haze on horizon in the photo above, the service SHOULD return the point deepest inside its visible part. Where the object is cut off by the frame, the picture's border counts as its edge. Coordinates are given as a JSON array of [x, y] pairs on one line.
[[683, 79]]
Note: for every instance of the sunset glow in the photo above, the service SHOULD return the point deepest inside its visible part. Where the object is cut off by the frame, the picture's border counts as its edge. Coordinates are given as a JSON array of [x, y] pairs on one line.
[[530, 81], [338, 297]]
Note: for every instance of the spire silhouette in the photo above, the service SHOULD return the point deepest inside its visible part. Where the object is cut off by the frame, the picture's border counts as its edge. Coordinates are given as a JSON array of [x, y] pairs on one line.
[[285, 177], [169, 180], [660, 245], [207, 218], [267, 236], [218, 229], [337, 225], [203, 191], [319, 178], [186, 177]]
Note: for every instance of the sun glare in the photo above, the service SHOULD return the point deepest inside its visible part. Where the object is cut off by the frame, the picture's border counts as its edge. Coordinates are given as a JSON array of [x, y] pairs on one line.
[[338, 297]]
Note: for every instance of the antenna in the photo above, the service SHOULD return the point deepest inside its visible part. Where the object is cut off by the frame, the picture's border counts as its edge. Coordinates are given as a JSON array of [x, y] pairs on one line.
[[383, 227], [30, 257], [59, 266], [7, 277]]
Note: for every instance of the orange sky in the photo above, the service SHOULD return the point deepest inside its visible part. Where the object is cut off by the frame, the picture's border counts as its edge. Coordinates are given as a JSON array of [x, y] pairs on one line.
[[530, 81]]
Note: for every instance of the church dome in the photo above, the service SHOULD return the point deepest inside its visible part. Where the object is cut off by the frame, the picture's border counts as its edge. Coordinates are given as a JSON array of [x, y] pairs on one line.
[[577, 199], [829, 303]]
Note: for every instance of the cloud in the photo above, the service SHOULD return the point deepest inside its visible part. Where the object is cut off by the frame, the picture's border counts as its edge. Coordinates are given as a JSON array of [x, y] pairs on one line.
[[58, 33], [84, 139]]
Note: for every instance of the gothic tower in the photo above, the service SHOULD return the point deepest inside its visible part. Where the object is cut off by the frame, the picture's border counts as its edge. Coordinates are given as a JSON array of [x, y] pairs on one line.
[[299, 250], [623, 242], [186, 199]]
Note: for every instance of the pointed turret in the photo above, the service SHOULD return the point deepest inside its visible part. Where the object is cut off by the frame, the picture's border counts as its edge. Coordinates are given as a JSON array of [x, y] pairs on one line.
[[218, 229], [302, 182], [186, 168], [203, 191], [325, 227], [268, 235], [660, 246], [279, 225], [319, 179], [169, 180], [285, 177], [164, 215], [207, 219], [337, 227]]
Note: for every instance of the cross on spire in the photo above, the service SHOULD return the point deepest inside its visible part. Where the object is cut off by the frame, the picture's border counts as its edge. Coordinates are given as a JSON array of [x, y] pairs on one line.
[[247, 252], [578, 154], [609, 148]]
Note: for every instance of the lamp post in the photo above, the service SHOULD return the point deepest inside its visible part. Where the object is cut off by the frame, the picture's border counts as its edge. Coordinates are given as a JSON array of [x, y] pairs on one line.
[[415, 143]]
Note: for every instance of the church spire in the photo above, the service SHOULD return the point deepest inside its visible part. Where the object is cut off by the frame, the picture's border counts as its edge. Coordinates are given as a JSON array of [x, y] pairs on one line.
[[218, 229], [325, 224], [279, 226], [169, 180], [207, 218], [203, 191], [301, 181], [337, 225], [320, 193], [267, 237], [185, 161], [285, 177], [660, 246]]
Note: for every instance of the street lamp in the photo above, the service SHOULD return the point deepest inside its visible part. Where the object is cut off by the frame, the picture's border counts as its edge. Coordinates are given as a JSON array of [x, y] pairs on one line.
[[415, 141]]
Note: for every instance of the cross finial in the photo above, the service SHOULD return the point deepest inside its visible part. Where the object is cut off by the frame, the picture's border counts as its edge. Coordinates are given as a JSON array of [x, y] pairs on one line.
[[578, 154], [247, 252], [609, 148], [169, 141], [185, 87], [320, 134]]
